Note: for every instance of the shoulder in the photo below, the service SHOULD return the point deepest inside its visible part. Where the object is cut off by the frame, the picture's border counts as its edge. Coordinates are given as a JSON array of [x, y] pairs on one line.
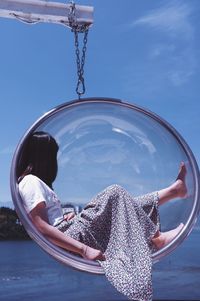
[[33, 191], [32, 184], [31, 180]]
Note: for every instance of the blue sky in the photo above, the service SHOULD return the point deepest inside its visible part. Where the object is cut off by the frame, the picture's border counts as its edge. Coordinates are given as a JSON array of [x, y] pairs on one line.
[[145, 52]]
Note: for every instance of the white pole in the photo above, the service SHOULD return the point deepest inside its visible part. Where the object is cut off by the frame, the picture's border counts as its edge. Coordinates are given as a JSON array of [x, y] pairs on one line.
[[34, 11]]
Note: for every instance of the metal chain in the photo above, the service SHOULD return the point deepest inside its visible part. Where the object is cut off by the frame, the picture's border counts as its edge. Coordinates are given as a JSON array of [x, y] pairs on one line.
[[80, 57], [80, 61]]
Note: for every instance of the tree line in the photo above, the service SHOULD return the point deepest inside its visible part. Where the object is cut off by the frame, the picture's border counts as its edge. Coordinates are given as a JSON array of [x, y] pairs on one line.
[[10, 226]]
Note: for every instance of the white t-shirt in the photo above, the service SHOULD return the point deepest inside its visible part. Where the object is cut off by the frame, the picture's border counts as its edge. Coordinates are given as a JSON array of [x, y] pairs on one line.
[[34, 191]]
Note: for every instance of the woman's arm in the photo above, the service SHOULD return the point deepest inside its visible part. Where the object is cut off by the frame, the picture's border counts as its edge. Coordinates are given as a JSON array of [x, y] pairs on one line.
[[40, 219]]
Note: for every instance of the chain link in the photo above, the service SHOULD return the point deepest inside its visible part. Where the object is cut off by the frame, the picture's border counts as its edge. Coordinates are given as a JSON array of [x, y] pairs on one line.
[[80, 61], [80, 56]]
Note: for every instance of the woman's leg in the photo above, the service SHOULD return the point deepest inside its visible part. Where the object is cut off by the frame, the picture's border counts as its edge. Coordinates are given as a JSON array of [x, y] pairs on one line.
[[177, 190], [161, 239]]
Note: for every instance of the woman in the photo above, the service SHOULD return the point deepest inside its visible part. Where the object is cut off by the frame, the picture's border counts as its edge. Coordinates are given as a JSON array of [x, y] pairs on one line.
[[115, 228]]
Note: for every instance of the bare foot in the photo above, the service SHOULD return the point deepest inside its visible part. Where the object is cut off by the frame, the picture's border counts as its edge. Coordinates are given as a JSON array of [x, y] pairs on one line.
[[166, 237], [179, 186]]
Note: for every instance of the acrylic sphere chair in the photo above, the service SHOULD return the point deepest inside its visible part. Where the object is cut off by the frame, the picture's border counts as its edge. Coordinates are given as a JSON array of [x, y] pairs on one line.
[[105, 141]]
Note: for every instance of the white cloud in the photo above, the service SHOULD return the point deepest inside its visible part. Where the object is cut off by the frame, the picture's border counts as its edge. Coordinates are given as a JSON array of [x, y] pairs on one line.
[[183, 66], [7, 150], [170, 58], [160, 49], [172, 18]]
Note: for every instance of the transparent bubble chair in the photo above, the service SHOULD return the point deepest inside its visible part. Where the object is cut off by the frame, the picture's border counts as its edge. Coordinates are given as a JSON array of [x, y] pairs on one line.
[[105, 141]]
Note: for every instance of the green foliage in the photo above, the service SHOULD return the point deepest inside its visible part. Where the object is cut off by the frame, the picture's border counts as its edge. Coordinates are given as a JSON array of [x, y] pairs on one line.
[[10, 225]]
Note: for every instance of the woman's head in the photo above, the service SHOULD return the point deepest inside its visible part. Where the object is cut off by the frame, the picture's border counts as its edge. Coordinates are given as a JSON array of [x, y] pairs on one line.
[[39, 157]]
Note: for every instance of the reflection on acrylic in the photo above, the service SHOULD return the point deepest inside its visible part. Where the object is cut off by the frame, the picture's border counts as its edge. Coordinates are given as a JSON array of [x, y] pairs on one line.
[[104, 144]]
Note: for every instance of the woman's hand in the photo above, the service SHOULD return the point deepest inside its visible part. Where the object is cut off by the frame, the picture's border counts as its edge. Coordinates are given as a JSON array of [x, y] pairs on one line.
[[69, 216], [93, 254]]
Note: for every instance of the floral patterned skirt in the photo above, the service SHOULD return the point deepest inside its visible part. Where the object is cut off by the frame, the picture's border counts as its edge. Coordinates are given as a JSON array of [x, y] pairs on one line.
[[121, 226]]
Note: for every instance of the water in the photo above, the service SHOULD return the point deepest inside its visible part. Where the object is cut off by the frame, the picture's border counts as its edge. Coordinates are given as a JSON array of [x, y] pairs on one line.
[[27, 272]]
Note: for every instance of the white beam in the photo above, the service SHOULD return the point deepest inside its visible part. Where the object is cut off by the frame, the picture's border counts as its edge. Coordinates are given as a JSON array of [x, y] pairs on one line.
[[34, 11]]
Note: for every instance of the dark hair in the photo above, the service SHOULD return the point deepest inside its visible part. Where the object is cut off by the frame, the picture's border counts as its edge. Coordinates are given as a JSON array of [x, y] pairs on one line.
[[39, 158]]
